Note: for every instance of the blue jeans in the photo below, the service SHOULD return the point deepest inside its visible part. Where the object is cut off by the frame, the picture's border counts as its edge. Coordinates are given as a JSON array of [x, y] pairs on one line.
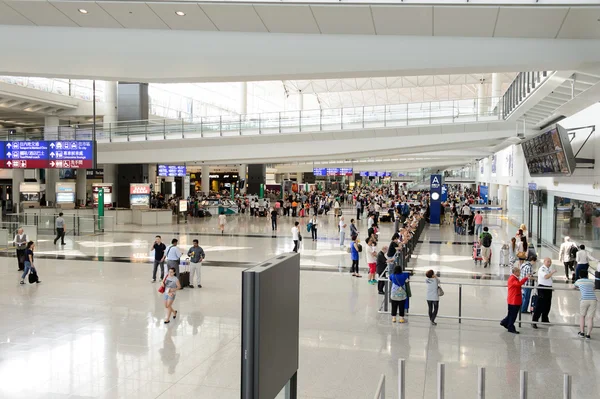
[[526, 298], [26, 270], [478, 230]]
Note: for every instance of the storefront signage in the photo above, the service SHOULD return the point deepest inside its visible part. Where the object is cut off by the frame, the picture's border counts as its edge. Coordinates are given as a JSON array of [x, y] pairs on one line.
[[139, 189]]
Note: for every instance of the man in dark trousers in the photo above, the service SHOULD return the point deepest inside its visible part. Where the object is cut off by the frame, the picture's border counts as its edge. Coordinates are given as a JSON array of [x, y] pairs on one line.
[[382, 265], [59, 223]]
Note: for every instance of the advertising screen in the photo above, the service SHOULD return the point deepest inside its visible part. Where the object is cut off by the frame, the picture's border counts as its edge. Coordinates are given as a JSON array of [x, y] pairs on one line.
[[171, 170], [139, 195]]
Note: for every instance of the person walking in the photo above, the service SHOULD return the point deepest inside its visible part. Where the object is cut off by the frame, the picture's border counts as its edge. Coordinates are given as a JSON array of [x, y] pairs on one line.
[[514, 299], [313, 228], [274, 215], [544, 301], [485, 239], [478, 223], [60, 226], [222, 222], [28, 263], [398, 294], [587, 304], [355, 248], [296, 236], [582, 259], [433, 297], [342, 228], [566, 255], [20, 242], [159, 258], [196, 255], [527, 269], [173, 255], [171, 285]]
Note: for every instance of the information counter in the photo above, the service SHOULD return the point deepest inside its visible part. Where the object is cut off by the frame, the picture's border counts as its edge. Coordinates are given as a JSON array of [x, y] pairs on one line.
[[152, 217]]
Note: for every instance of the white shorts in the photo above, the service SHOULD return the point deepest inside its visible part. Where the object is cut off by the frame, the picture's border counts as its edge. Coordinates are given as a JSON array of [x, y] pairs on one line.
[[587, 308]]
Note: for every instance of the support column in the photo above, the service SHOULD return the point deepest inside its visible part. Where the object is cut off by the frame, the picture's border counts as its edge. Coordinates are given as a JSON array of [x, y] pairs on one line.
[[300, 101], [18, 177], [257, 175], [51, 133], [152, 172], [243, 98], [242, 176], [110, 99], [205, 180], [110, 176], [81, 187], [481, 103], [299, 178], [496, 91]]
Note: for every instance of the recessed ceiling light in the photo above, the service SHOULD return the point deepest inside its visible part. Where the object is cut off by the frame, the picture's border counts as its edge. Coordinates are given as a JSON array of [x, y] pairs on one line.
[[180, 13], [83, 11]]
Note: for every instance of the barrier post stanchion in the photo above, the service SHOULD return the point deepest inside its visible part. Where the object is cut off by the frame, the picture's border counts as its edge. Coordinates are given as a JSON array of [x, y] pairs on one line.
[[481, 383], [401, 378], [519, 317], [441, 375], [386, 294], [523, 389], [567, 386], [460, 304]]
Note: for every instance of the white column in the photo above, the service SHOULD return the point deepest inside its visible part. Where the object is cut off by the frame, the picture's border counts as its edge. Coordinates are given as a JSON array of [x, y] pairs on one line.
[[81, 186], [481, 99], [496, 90], [110, 98], [206, 179], [18, 177], [242, 176], [110, 176], [243, 98], [299, 178], [300, 101], [152, 172]]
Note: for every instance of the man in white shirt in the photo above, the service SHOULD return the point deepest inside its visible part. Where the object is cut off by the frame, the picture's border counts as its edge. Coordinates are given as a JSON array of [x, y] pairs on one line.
[[576, 216], [544, 301], [565, 256], [370, 221], [466, 210], [296, 236], [582, 261], [342, 226], [172, 255]]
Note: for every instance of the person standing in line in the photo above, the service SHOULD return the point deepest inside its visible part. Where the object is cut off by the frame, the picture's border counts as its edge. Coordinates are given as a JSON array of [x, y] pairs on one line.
[[222, 222], [313, 229], [587, 304], [398, 293], [196, 255], [29, 267], [296, 236], [372, 259], [527, 269], [514, 299], [370, 221], [336, 207], [567, 257], [382, 267], [582, 259], [522, 250], [355, 248], [20, 242], [596, 225], [274, 214], [478, 223], [60, 225], [342, 228], [358, 208], [433, 297], [544, 301], [353, 230], [159, 258], [171, 284], [173, 255]]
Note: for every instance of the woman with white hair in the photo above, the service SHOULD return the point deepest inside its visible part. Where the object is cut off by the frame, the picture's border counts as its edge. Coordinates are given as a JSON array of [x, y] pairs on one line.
[[566, 255]]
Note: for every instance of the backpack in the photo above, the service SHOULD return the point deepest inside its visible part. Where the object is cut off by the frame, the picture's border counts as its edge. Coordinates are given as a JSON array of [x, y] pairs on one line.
[[359, 248], [309, 227], [487, 240], [405, 209], [573, 251]]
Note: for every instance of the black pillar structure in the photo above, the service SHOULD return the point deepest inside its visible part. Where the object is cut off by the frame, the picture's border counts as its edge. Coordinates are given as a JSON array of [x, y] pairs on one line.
[[257, 175]]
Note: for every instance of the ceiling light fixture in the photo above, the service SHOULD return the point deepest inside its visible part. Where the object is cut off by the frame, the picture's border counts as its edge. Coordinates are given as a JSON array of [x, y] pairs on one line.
[[83, 11], [180, 13]]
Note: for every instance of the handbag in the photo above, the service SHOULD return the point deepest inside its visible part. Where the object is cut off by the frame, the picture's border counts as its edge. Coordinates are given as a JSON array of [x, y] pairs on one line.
[[521, 255], [398, 293], [33, 277], [440, 291], [161, 289], [299, 237]]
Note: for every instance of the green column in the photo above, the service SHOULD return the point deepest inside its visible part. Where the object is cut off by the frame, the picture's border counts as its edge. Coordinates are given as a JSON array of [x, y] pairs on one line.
[[262, 191], [100, 209], [232, 191]]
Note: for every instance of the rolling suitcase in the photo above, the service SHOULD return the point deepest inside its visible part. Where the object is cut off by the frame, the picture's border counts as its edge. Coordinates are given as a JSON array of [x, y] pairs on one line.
[[477, 253], [184, 273]]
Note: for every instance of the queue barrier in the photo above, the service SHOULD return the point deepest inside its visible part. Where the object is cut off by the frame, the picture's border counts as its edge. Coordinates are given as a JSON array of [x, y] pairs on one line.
[[481, 385]]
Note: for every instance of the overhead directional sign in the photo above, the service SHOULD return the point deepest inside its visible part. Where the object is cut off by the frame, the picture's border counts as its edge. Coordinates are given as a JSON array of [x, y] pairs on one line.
[[171, 170], [42, 154]]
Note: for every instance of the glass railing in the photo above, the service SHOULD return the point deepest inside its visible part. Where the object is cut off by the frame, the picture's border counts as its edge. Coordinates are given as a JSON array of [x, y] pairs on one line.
[[353, 118], [81, 89]]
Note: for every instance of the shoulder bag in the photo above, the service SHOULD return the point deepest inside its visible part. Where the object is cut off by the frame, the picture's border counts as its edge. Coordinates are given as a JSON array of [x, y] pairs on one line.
[[398, 293], [440, 291], [161, 289]]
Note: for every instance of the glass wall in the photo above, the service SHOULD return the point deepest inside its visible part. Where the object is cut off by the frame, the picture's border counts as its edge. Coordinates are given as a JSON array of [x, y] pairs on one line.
[[516, 205], [579, 220]]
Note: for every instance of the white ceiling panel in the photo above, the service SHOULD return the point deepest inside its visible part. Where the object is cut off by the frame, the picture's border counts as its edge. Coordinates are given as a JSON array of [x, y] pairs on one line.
[[41, 13], [194, 18], [8, 16], [95, 18], [336, 19], [464, 21], [234, 17], [581, 23], [286, 18], [535, 22], [134, 15], [403, 20]]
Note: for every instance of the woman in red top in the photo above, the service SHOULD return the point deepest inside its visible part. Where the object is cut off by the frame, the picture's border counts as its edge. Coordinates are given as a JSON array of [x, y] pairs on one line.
[[514, 299]]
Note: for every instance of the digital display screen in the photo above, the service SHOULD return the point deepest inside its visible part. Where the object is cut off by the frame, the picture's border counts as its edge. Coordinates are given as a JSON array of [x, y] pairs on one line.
[[320, 171], [171, 170], [65, 197], [549, 153]]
